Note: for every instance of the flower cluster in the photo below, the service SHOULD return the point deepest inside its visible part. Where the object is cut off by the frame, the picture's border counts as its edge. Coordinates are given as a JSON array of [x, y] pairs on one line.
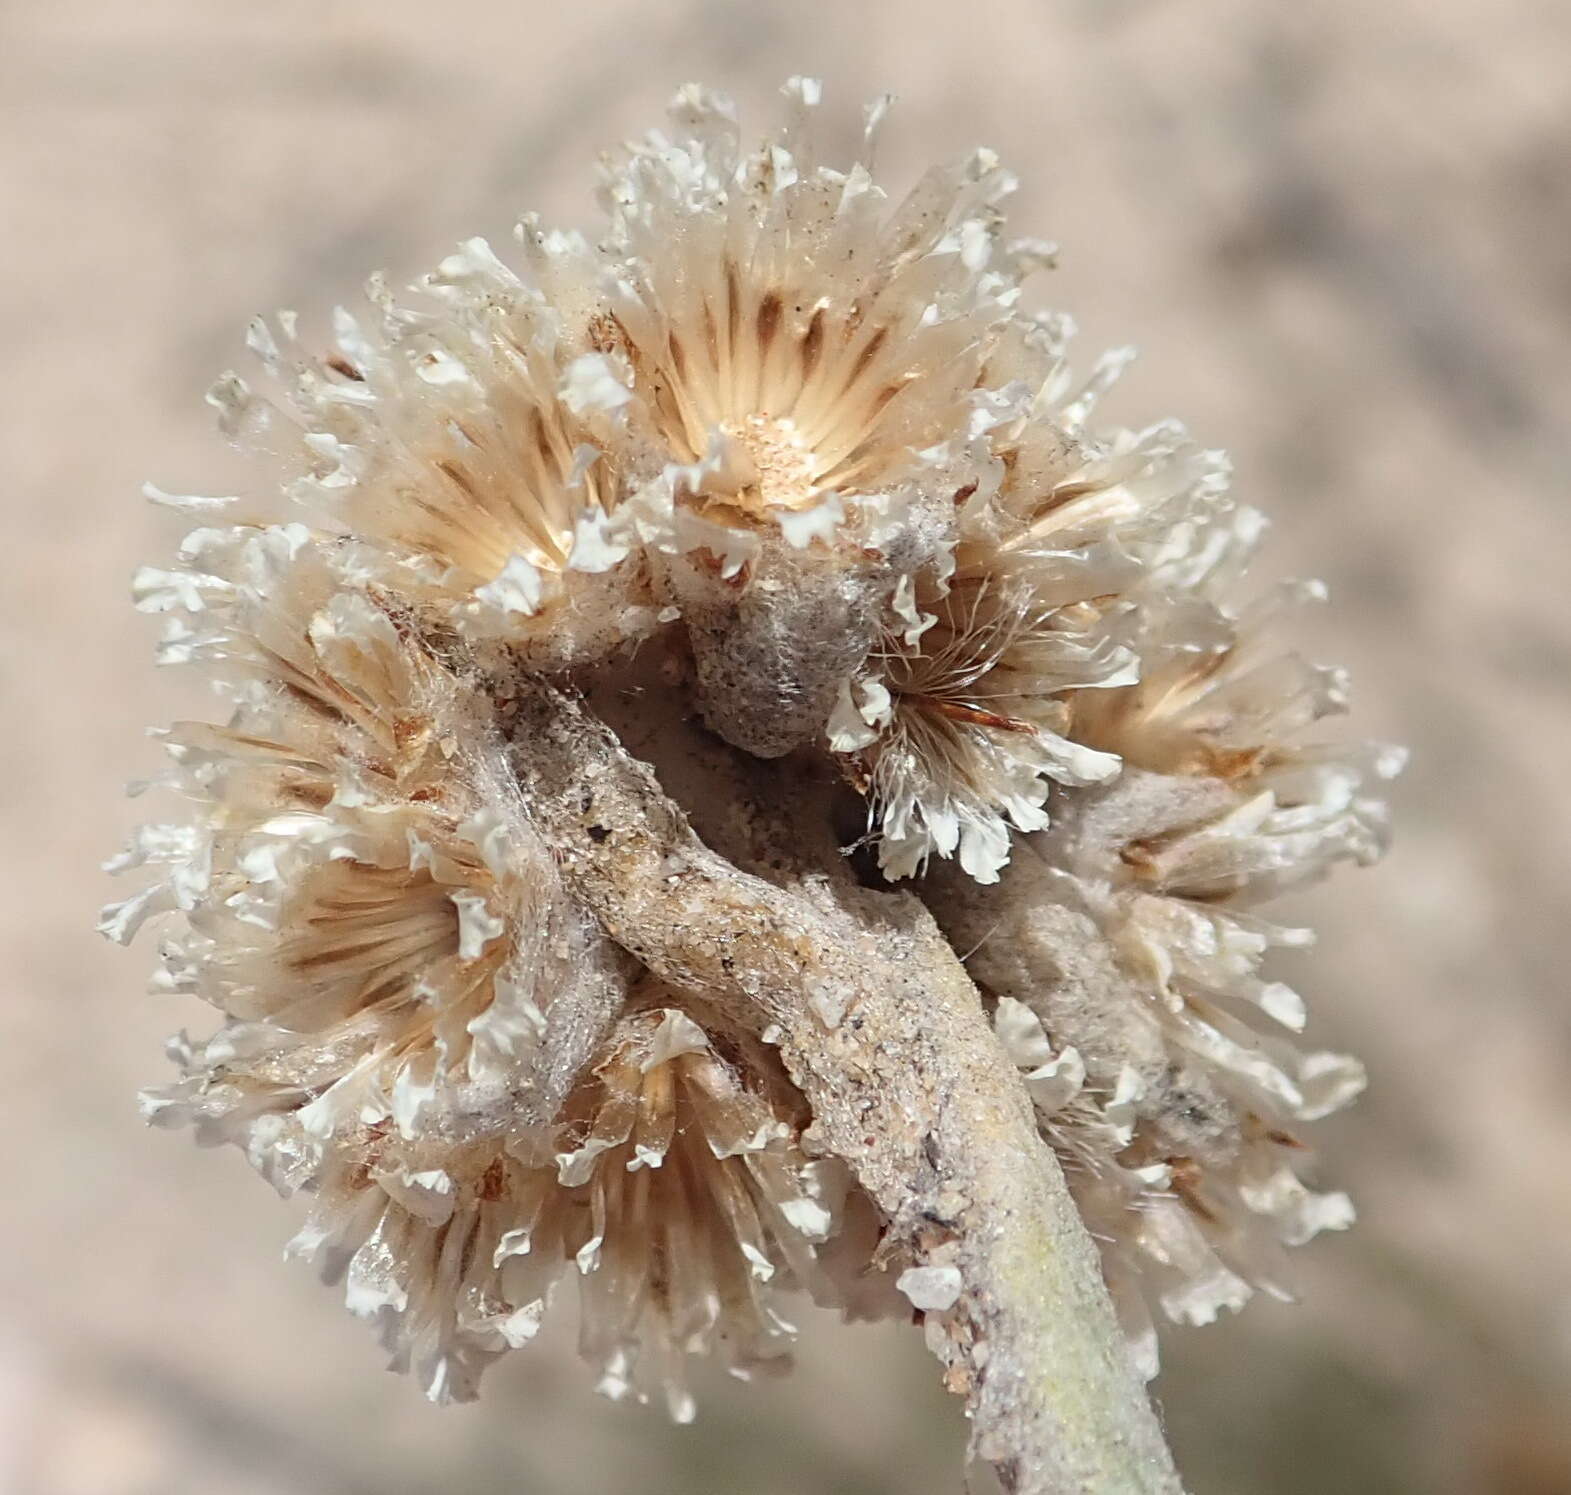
[[1126, 953], [811, 451]]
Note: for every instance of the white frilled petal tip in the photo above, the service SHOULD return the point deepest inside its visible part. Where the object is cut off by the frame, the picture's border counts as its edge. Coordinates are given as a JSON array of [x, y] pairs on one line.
[[1390, 759], [522, 1325], [593, 382], [517, 588], [1021, 1032], [861, 709], [517, 1242], [427, 1195], [477, 925], [155, 590], [1203, 1301], [475, 263], [187, 503], [984, 848], [914, 622], [654, 513], [1333, 1211], [809, 1217], [759, 1265], [1052, 1081], [817, 522], [577, 1167], [931, 1289], [1301, 1213], [1080, 766], [598, 545], [120, 921], [1328, 1082], [488, 831], [677, 1034], [805, 91], [1120, 1112], [1054, 1084], [341, 465], [156, 844]]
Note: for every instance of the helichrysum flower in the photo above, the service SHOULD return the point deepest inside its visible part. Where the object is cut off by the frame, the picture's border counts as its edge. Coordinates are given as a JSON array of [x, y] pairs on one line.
[[805, 457]]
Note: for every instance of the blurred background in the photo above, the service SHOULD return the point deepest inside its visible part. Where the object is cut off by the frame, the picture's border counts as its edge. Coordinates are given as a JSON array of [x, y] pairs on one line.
[[1341, 235]]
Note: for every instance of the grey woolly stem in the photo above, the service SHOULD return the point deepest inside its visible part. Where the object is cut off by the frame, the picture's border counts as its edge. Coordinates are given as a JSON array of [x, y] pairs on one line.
[[885, 1035]]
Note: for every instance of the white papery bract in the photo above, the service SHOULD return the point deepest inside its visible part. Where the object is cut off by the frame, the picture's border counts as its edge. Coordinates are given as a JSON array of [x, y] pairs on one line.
[[791, 451]]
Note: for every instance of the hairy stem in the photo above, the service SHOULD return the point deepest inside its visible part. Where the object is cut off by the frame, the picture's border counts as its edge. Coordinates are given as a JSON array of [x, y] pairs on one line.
[[884, 1033]]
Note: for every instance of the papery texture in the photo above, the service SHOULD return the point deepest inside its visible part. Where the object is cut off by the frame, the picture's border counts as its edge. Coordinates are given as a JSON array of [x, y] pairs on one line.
[[795, 452]]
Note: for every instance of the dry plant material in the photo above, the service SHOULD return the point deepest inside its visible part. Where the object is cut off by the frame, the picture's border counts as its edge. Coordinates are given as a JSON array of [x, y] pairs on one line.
[[588, 602]]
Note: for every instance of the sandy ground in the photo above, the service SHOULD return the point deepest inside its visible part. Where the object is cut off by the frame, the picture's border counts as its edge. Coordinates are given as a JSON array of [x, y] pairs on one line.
[[1342, 235]]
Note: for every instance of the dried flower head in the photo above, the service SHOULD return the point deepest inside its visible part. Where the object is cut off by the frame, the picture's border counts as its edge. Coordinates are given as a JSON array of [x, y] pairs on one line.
[[774, 454], [800, 344]]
